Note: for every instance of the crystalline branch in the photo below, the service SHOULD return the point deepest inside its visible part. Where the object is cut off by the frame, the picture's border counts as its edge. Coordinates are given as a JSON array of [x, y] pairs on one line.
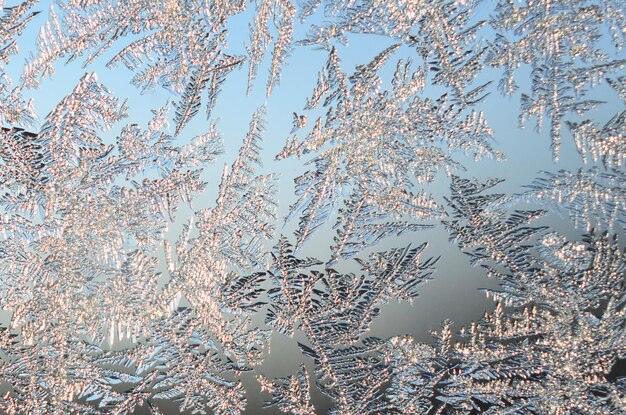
[[134, 276]]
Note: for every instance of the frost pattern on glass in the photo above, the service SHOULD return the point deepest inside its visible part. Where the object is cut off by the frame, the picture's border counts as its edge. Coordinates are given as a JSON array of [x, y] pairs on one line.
[[408, 141], [125, 290], [552, 341], [334, 311], [80, 264], [442, 32], [560, 40], [591, 198], [15, 110], [180, 46]]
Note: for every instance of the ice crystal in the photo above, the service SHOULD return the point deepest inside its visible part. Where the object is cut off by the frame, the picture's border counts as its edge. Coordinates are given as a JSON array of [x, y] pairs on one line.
[[291, 394], [14, 109], [554, 37], [441, 32], [89, 252], [180, 46], [551, 343], [605, 144], [283, 13], [334, 310], [590, 197], [123, 289], [379, 155], [554, 351]]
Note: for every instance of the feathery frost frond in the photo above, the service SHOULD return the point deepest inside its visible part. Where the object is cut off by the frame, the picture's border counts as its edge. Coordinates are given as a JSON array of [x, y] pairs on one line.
[[591, 198], [180, 46], [334, 311], [381, 155], [82, 229], [123, 291], [560, 41], [14, 110]]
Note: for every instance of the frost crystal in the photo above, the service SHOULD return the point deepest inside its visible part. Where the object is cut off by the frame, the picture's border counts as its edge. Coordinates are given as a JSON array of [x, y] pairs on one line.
[[13, 20], [554, 37], [180, 46], [124, 289], [77, 242], [590, 197], [397, 140], [291, 394]]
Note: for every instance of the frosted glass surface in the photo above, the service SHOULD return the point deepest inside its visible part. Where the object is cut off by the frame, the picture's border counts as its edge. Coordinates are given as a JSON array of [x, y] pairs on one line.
[[341, 207]]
